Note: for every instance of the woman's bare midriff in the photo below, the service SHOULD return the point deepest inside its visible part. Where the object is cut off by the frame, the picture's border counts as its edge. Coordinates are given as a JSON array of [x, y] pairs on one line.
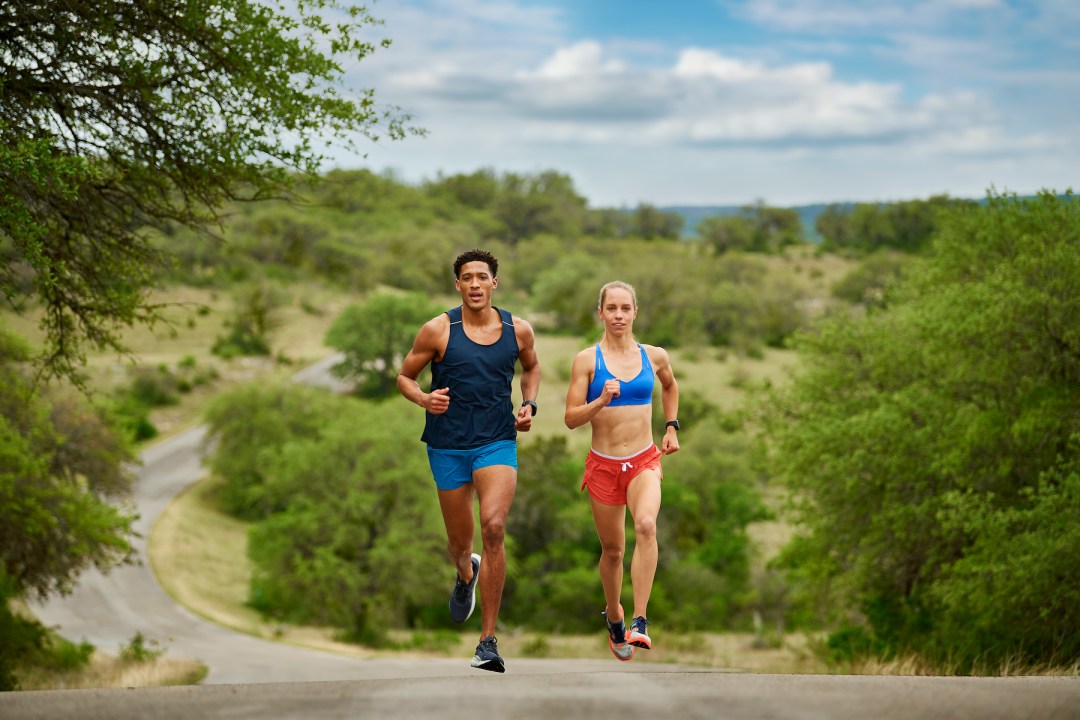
[[622, 431]]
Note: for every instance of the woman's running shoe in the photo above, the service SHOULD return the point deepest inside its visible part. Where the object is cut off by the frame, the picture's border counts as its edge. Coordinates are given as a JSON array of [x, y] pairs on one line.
[[639, 635], [617, 637]]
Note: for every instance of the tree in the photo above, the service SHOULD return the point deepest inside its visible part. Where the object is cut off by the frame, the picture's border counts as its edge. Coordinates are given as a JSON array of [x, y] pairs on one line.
[[530, 204], [62, 469], [249, 426], [756, 228], [120, 117], [725, 234], [374, 336], [651, 223], [834, 226], [347, 531], [922, 438]]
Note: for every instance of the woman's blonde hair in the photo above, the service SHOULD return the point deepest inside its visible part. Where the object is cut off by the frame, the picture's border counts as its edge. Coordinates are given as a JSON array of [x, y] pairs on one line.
[[603, 294]]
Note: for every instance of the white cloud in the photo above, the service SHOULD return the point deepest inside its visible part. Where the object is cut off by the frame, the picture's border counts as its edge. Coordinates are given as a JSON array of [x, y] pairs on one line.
[[584, 58], [579, 95], [506, 85]]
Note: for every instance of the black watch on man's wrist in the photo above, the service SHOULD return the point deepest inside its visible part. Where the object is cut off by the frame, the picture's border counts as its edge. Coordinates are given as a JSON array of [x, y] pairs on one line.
[[672, 423], [531, 404]]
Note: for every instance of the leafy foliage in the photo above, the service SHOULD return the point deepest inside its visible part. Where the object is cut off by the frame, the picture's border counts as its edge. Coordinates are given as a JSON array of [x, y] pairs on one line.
[[350, 532], [28, 643], [123, 116], [906, 226], [756, 228], [251, 427], [553, 549], [711, 494], [374, 336], [869, 283], [927, 443], [61, 469]]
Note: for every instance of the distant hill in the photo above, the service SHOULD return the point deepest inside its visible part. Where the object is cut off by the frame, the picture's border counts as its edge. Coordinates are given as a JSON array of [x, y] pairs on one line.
[[693, 214]]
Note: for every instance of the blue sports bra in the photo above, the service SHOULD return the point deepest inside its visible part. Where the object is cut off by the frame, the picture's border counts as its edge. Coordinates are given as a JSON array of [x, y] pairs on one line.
[[638, 391]]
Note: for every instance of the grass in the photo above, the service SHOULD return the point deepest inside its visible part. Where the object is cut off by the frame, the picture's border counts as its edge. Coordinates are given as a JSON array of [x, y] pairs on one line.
[[108, 671], [72, 666]]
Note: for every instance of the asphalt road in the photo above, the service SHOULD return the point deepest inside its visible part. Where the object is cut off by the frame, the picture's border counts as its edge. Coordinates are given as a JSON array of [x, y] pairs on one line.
[[253, 678]]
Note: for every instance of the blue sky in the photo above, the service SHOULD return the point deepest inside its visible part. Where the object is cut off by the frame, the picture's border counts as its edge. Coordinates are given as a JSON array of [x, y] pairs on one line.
[[720, 102]]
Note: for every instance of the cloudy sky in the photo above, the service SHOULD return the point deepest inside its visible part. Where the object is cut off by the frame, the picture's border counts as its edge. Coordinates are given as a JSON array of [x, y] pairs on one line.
[[720, 102]]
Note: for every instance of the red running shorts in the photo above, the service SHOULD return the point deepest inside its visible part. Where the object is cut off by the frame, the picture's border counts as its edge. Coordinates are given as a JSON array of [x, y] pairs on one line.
[[608, 477]]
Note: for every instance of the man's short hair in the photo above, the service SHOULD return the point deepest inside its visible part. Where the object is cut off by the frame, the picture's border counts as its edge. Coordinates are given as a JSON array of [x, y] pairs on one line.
[[476, 255]]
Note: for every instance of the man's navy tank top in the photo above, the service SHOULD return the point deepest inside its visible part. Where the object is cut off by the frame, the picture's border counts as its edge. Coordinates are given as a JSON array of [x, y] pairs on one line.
[[480, 379]]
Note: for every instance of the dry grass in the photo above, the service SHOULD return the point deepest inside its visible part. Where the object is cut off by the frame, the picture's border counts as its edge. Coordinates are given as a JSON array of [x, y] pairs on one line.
[[915, 665], [106, 671], [199, 556]]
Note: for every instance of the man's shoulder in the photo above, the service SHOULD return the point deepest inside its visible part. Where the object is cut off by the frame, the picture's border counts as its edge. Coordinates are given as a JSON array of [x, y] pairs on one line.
[[439, 321], [436, 326], [521, 325]]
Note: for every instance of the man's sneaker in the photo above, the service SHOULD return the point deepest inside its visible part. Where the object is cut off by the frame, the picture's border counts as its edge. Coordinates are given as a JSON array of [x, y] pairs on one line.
[[463, 598], [487, 656], [639, 636], [617, 638]]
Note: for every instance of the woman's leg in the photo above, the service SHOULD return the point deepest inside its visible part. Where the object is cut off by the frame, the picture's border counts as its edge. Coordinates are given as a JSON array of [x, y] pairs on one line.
[[643, 499]]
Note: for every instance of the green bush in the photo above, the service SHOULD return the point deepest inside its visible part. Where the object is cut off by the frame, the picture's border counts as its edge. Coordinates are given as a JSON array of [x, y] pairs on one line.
[[931, 447]]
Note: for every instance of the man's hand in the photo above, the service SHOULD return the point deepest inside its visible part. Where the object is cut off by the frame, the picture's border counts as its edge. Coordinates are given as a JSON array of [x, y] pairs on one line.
[[523, 421], [437, 401]]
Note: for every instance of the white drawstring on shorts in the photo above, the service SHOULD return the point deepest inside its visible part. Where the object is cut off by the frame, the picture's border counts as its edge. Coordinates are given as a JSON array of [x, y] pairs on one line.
[[626, 466]]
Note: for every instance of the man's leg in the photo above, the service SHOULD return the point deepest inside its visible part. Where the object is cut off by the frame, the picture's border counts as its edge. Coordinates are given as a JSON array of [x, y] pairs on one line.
[[457, 512], [495, 486]]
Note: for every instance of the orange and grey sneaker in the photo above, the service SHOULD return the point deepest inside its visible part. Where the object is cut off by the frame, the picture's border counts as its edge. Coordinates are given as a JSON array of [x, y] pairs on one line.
[[617, 637], [639, 635]]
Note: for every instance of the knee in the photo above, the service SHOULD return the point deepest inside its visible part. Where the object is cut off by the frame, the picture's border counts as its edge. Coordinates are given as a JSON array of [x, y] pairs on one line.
[[611, 553], [456, 549], [645, 529], [493, 531]]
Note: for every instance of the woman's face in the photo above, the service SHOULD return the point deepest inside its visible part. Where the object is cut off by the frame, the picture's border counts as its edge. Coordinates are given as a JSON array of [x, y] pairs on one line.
[[618, 311]]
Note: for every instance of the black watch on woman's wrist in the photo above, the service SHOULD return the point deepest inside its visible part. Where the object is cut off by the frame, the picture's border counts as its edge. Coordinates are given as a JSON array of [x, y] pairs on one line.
[[672, 423], [531, 404]]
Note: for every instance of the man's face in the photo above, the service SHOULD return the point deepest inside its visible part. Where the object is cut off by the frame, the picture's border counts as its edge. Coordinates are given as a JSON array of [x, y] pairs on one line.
[[475, 283]]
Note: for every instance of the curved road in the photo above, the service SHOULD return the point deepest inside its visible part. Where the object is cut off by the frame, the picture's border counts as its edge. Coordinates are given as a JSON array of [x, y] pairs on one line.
[[253, 678]]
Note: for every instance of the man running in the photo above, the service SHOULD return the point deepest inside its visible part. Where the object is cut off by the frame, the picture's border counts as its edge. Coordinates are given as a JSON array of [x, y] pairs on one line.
[[471, 431]]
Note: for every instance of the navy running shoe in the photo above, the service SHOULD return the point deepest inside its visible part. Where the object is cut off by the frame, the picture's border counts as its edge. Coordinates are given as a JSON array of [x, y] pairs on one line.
[[487, 656], [463, 598]]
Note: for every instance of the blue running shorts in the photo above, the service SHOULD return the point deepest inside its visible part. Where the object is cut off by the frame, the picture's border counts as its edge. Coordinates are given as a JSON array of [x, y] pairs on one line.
[[454, 468]]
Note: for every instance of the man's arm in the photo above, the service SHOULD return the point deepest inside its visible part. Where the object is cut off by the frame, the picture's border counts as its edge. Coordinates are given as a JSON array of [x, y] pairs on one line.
[[429, 343], [530, 372]]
